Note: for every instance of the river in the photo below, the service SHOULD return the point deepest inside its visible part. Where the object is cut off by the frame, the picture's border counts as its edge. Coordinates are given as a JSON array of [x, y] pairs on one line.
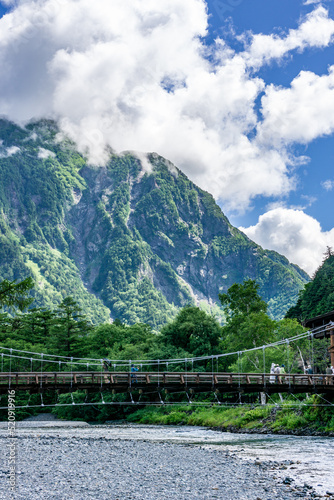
[[312, 457], [305, 460]]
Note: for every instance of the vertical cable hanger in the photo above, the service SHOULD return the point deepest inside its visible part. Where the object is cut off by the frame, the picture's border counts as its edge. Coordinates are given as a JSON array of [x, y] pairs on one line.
[[41, 382], [264, 366], [10, 368]]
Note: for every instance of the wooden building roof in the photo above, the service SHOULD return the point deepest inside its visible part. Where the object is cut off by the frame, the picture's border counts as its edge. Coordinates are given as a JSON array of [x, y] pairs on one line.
[[322, 320]]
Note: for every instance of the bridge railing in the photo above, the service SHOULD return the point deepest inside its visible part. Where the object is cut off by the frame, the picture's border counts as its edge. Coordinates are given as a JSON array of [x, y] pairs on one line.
[[155, 378]]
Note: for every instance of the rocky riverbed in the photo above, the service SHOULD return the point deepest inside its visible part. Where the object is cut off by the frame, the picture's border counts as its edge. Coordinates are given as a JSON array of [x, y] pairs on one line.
[[57, 461]]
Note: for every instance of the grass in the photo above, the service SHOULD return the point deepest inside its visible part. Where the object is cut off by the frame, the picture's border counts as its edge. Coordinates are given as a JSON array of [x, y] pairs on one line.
[[308, 416]]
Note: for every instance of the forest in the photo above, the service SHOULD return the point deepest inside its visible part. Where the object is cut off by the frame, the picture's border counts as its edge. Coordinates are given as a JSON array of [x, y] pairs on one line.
[[65, 332], [126, 240]]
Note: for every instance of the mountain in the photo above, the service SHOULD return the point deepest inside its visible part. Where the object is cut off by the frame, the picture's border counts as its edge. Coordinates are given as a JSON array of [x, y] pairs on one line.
[[318, 296], [135, 239]]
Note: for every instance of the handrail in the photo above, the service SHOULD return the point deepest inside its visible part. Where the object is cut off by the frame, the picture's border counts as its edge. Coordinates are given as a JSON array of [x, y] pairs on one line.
[[149, 377]]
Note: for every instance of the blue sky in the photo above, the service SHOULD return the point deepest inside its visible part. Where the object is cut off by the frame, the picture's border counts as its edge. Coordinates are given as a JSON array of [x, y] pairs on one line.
[[239, 94], [268, 17]]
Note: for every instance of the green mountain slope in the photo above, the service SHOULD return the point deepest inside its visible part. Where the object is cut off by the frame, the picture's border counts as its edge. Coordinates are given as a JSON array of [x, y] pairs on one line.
[[135, 239], [318, 296]]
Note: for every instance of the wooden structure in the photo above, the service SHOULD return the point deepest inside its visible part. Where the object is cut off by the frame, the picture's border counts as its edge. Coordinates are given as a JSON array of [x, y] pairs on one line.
[[326, 320], [148, 382]]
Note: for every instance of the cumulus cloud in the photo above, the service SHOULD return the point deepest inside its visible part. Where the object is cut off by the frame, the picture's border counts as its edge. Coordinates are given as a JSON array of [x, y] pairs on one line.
[[328, 185], [300, 113], [317, 30], [294, 234], [137, 75]]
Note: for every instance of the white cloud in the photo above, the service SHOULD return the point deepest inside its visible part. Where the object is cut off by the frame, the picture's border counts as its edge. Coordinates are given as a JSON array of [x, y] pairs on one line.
[[311, 2], [316, 30], [11, 151], [300, 113], [135, 75], [45, 153], [294, 234], [328, 185]]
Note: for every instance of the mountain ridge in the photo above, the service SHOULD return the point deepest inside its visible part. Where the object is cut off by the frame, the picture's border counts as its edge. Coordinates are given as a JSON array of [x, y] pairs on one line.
[[136, 237]]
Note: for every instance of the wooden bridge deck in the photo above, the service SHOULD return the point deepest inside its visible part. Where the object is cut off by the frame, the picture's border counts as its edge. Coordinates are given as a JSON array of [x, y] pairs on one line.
[[121, 382]]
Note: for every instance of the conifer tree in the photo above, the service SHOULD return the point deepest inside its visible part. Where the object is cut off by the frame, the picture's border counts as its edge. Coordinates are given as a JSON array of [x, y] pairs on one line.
[[15, 295], [69, 329]]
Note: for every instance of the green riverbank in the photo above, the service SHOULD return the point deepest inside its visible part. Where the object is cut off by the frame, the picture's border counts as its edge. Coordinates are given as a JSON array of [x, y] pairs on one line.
[[308, 418]]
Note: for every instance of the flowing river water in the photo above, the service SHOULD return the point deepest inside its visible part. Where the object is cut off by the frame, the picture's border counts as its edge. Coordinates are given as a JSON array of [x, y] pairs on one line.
[[306, 460]]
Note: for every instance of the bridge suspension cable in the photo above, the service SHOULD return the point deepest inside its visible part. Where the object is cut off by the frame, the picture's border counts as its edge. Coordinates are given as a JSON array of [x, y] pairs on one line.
[[66, 362], [63, 360]]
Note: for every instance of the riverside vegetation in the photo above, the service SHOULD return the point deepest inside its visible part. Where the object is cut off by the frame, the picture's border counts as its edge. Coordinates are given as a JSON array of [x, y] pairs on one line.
[[66, 331], [309, 417]]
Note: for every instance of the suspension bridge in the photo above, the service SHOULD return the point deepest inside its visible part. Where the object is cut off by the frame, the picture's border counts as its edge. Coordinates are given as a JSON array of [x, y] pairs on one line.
[[122, 382], [40, 373]]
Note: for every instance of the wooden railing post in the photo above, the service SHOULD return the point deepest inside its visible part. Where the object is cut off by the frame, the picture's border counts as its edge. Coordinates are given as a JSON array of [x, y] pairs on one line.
[[331, 348]]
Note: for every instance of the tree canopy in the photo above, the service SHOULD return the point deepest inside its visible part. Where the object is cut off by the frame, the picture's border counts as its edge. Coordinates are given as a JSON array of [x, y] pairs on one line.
[[318, 296], [242, 298], [69, 328], [13, 294], [193, 330]]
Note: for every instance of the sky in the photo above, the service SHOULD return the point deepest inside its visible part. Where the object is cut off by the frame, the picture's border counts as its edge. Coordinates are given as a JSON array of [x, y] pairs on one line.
[[239, 94]]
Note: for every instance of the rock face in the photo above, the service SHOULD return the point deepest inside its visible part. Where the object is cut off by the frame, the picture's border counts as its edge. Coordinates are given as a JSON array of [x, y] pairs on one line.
[[135, 238]]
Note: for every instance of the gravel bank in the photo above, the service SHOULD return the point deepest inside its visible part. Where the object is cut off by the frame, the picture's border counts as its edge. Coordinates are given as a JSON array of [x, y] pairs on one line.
[[69, 465]]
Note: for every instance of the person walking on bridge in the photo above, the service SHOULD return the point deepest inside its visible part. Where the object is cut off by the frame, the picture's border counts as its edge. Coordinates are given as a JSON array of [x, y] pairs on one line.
[[272, 373], [134, 369], [106, 365], [309, 370], [283, 372]]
